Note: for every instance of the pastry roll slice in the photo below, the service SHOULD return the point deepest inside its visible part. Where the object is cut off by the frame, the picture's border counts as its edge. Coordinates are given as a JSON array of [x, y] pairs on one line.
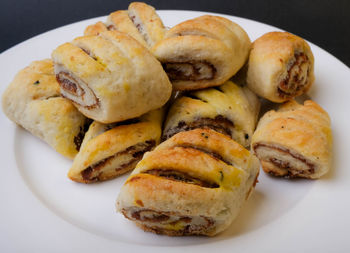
[[295, 141], [202, 52], [229, 109], [192, 184], [280, 67], [110, 77], [109, 150], [140, 21], [33, 101]]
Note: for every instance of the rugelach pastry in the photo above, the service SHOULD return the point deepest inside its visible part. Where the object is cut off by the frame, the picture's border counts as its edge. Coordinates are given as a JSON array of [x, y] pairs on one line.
[[192, 184], [294, 141], [110, 77], [140, 21], [280, 67], [202, 52], [33, 101], [109, 150], [229, 109]]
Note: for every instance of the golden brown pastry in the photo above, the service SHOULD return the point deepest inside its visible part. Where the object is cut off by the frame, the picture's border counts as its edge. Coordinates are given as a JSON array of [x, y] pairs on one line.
[[192, 184], [110, 77], [140, 21], [295, 141], [229, 109], [33, 101], [280, 67], [202, 52], [109, 150]]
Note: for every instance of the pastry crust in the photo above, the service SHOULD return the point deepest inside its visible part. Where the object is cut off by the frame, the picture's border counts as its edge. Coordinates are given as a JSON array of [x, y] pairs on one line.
[[280, 67], [94, 70], [33, 101], [140, 21], [194, 183], [109, 150], [229, 109], [295, 141], [202, 52]]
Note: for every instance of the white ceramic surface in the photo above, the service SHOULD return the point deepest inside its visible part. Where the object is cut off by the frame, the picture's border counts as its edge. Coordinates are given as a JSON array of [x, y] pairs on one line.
[[41, 210]]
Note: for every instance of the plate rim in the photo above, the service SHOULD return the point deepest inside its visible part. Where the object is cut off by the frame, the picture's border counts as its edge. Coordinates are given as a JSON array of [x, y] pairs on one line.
[[7, 51]]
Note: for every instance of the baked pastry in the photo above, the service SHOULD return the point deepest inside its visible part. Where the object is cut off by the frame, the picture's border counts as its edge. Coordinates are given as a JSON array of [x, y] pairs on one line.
[[140, 21], [229, 109], [295, 141], [192, 184], [280, 67], [202, 52], [109, 150], [110, 77], [33, 101]]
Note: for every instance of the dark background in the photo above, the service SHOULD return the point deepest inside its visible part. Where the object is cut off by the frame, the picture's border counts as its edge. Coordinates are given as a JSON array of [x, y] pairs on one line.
[[324, 23]]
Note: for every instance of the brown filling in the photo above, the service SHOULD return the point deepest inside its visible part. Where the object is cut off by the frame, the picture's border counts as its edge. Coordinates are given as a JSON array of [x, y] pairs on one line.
[[208, 152], [149, 215], [111, 28], [295, 79], [89, 53], [219, 124], [78, 139], [170, 218], [135, 151], [190, 70], [291, 171], [125, 122], [180, 176], [64, 79], [70, 85], [139, 28]]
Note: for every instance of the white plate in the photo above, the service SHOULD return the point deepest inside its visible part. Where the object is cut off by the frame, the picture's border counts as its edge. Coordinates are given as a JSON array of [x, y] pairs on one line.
[[43, 211]]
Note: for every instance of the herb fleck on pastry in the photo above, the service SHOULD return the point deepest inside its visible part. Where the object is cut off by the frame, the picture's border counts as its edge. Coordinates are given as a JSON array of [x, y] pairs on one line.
[[33, 101], [294, 141], [192, 184]]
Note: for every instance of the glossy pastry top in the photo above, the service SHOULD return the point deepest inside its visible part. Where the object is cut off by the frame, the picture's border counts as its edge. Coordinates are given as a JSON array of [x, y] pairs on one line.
[[195, 175], [176, 175], [120, 21], [220, 146], [140, 21], [96, 29], [215, 27], [148, 23], [106, 141], [106, 66], [281, 66], [277, 46], [202, 52], [229, 109], [302, 129]]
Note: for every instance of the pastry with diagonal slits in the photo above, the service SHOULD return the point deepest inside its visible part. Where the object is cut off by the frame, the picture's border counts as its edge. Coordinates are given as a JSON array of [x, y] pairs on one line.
[[140, 21], [110, 77], [110, 150], [294, 141], [192, 184], [202, 52], [33, 101], [229, 109]]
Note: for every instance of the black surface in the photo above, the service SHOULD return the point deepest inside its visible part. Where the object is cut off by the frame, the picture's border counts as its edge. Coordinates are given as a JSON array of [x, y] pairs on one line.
[[323, 22]]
